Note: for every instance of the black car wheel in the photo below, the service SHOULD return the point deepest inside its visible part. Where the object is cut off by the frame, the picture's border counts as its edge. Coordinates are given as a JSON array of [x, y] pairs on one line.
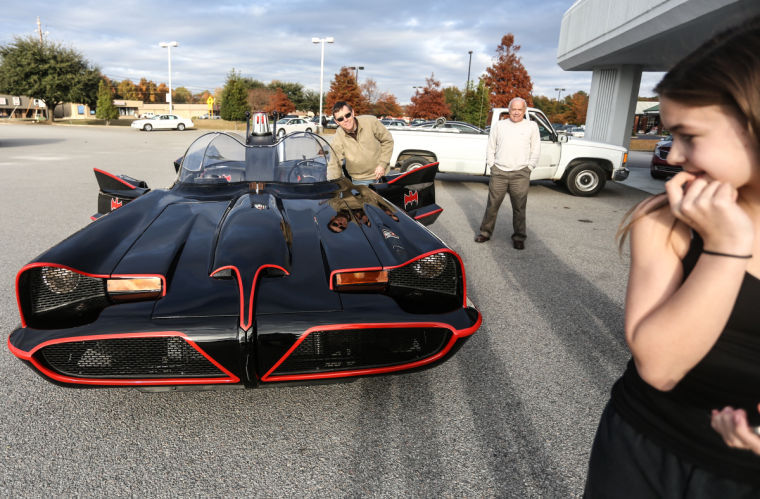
[[585, 179], [181, 127], [308, 130], [281, 132], [658, 175], [413, 163], [147, 128]]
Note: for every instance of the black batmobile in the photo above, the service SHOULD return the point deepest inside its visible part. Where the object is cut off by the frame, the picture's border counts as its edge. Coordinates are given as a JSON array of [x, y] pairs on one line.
[[252, 269]]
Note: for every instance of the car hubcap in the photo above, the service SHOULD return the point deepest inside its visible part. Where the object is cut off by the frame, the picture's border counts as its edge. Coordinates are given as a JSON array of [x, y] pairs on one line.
[[586, 181]]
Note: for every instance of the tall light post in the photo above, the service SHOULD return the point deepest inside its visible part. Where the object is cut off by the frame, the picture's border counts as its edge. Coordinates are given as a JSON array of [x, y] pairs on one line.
[[328, 39], [469, 65], [559, 90], [356, 75], [169, 45]]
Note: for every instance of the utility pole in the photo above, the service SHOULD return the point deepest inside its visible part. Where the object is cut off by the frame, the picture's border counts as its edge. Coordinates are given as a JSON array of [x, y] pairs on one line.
[[468, 71], [39, 28]]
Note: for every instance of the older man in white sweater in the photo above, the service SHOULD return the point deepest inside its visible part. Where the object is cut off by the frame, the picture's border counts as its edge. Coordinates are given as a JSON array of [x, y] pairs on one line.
[[513, 150]]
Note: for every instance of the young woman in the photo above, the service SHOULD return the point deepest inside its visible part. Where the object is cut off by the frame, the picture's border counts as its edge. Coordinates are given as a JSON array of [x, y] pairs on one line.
[[682, 417]]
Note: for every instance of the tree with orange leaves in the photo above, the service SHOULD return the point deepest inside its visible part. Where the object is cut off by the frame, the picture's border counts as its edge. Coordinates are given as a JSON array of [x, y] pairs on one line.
[[429, 103], [280, 103], [508, 78], [344, 88], [387, 105]]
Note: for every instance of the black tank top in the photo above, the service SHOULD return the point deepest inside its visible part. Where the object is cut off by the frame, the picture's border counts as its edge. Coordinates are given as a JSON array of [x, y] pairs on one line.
[[679, 420]]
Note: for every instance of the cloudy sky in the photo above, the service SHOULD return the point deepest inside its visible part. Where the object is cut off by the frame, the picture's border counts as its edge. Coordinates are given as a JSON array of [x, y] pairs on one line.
[[399, 42]]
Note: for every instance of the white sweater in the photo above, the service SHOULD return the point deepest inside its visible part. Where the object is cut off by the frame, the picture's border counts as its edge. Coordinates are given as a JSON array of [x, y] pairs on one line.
[[513, 146]]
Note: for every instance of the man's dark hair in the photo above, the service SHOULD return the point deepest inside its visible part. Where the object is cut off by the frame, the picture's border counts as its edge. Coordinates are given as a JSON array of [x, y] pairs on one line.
[[339, 105]]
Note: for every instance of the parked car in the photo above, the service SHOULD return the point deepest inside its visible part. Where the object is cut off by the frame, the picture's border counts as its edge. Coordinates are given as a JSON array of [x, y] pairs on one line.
[[393, 123], [163, 122], [211, 117], [252, 269], [451, 126], [147, 115], [576, 131], [290, 125], [331, 123], [660, 168]]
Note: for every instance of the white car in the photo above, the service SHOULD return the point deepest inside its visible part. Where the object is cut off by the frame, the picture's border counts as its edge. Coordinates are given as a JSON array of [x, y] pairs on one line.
[[163, 122], [288, 125]]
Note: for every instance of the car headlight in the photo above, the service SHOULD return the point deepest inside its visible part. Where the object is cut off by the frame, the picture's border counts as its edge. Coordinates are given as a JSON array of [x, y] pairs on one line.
[[52, 296], [59, 280], [431, 266]]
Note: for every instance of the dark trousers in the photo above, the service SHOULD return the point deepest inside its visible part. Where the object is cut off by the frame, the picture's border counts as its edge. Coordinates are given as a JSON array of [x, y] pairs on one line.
[[516, 183], [626, 464]]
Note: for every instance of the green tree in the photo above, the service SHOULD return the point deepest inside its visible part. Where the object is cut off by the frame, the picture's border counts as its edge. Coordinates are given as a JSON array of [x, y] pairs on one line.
[[455, 100], [476, 105], [310, 101], [105, 110], [47, 71], [234, 98], [181, 95]]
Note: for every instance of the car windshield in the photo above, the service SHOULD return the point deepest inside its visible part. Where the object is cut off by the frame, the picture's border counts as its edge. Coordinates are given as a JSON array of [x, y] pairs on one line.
[[221, 158]]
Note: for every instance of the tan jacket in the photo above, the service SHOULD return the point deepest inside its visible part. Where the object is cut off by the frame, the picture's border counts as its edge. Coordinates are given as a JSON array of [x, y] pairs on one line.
[[373, 146]]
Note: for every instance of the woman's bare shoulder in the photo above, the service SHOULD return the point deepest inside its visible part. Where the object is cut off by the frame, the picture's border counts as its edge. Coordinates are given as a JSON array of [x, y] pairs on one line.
[[654, 226]]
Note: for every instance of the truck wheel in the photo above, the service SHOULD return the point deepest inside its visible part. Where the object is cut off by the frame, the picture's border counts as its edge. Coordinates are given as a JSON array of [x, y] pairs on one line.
[[147, 128], [413, 163], [585, 179]]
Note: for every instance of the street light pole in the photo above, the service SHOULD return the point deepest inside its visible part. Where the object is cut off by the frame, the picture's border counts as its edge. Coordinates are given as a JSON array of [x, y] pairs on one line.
[[356, 74], [169, 45], [328, 39], [469, 65], [559, 90]]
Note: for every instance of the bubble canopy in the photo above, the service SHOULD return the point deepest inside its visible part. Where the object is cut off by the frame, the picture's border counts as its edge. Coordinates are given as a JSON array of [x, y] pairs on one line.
[[221, 158]]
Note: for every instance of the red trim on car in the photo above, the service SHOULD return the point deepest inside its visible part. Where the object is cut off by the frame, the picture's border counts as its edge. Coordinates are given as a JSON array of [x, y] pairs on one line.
[[418, 257], [456, 335], [429, 165], [29, 356], [247, 324], [420, 217], [121, 180], [86, 274]]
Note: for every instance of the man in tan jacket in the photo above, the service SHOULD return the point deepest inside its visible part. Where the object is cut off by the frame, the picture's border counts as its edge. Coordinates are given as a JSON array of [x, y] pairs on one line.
[[363, 142]]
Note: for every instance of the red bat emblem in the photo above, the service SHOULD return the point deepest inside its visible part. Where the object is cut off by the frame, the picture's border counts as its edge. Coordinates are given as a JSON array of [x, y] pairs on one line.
[[228, 178], [115, 203], [411, 197]]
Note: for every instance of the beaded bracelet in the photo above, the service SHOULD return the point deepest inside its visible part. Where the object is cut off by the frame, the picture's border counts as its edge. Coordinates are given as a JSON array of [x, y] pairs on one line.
[[717, 253]]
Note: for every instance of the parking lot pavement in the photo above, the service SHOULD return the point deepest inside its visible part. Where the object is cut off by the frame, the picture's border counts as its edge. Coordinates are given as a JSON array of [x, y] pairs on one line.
[[640, 178]]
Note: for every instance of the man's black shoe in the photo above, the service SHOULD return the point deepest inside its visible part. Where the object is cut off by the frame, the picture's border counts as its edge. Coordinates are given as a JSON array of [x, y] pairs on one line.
[[518, 245], [480, 238]]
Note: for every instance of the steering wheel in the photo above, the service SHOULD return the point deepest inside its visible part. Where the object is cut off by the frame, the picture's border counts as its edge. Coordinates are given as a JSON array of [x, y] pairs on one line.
[[296, 174]]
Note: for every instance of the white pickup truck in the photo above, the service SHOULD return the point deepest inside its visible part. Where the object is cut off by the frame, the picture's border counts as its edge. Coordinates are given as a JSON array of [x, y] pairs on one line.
[[583, 166]]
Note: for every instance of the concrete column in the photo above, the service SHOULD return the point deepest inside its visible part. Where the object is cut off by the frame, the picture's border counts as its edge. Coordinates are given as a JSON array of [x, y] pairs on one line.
[[612, 104]]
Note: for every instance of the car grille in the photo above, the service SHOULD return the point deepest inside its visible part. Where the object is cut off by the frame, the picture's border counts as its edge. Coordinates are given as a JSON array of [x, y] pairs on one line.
[[326, 351], [144, 358]]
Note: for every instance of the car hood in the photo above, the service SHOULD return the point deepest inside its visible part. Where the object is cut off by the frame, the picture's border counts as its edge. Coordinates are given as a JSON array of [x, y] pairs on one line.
[[275, 251]]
